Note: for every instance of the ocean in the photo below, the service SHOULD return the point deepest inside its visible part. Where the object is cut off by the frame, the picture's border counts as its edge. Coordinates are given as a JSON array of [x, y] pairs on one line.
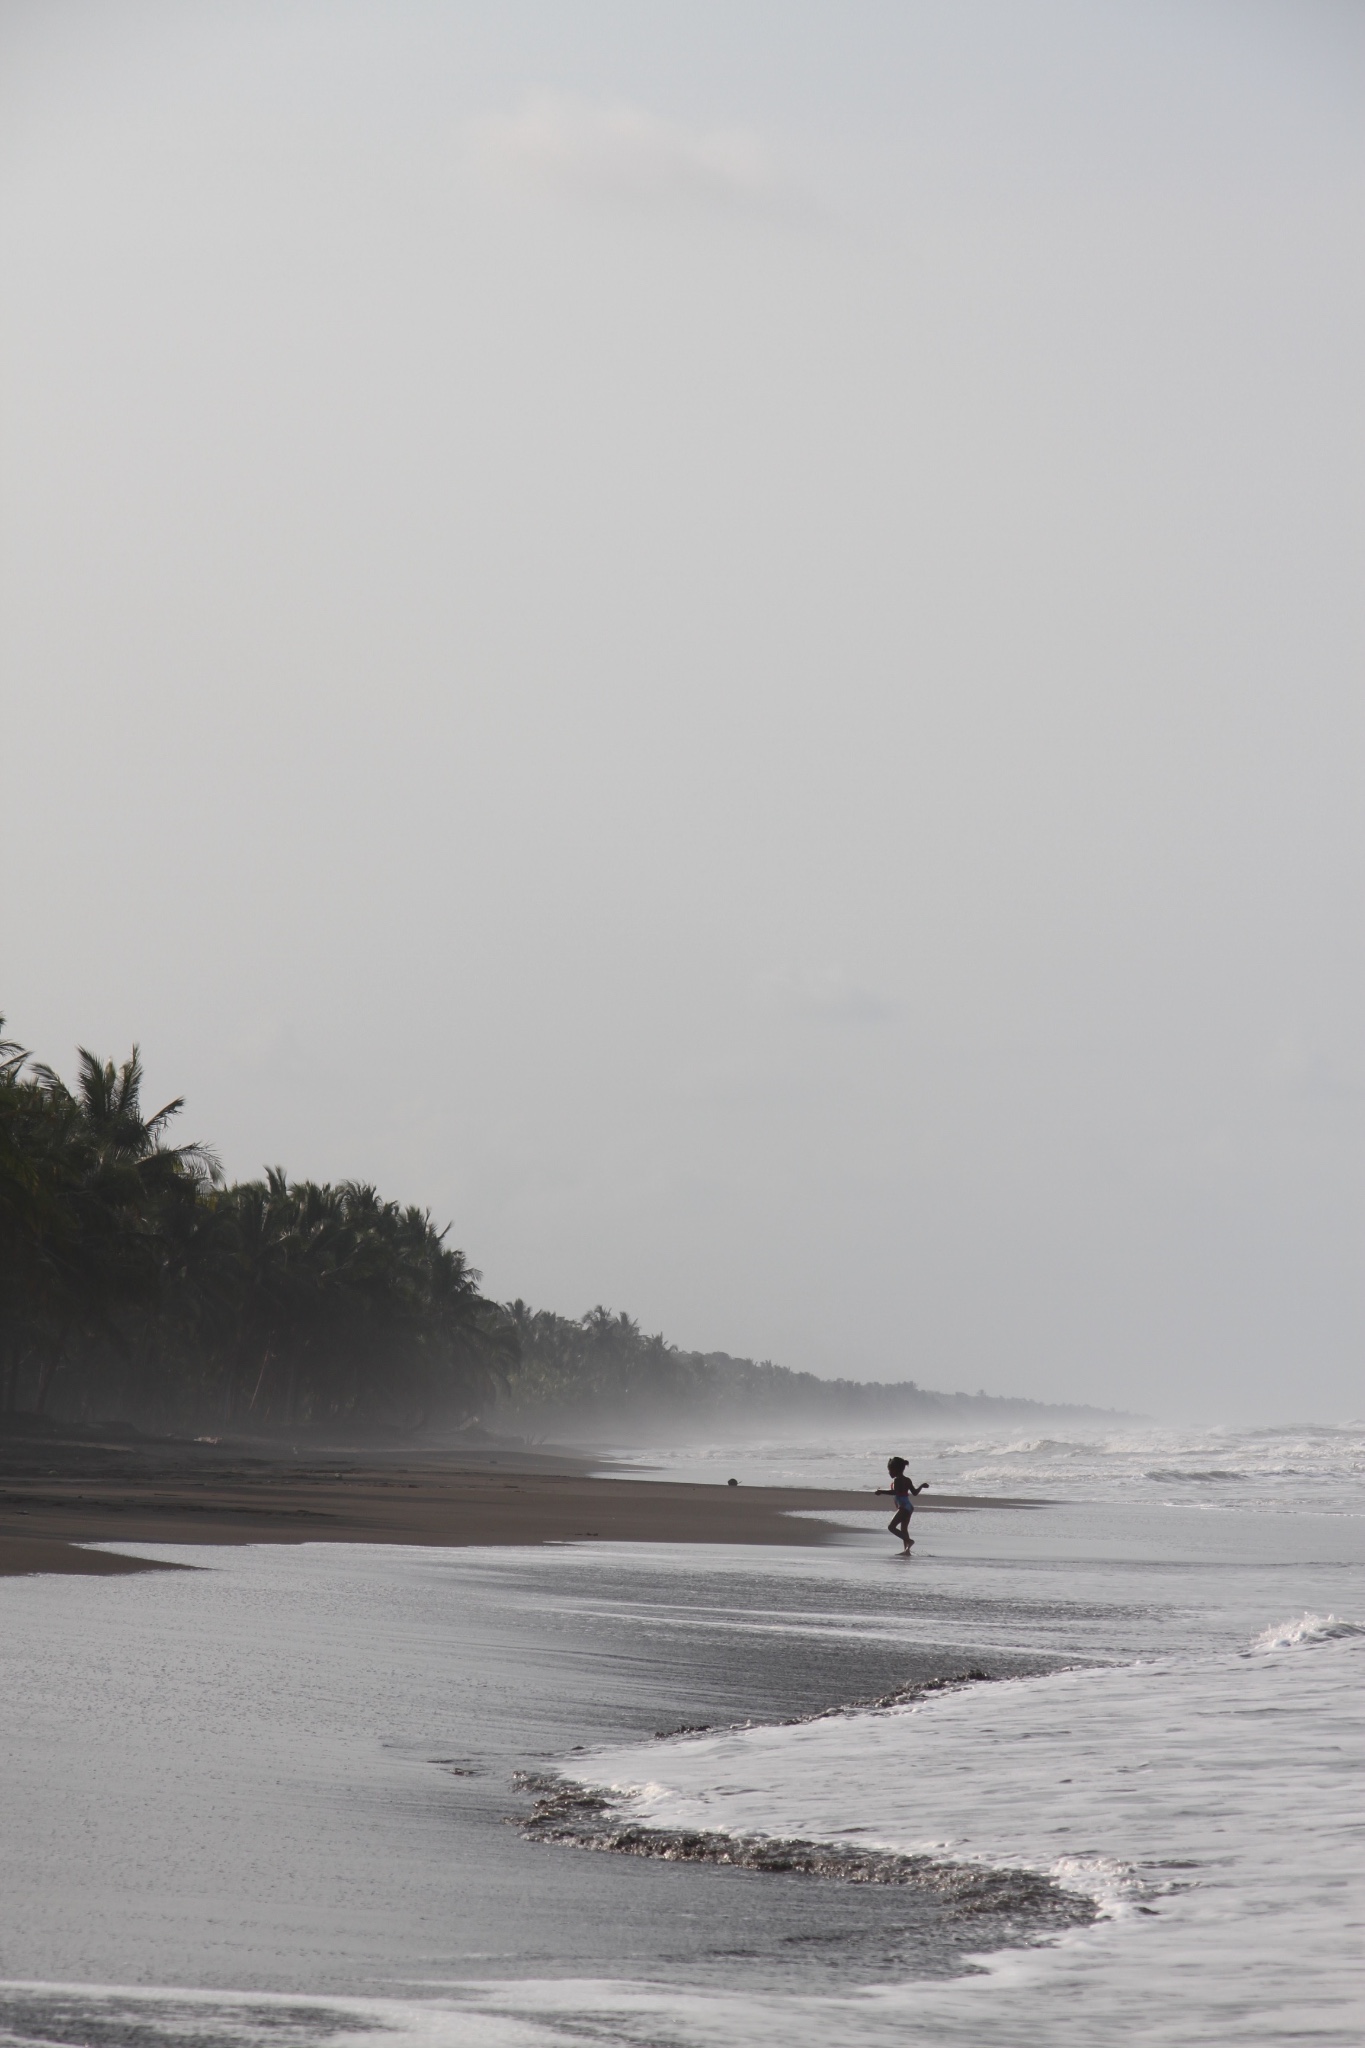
[[291, 1795]]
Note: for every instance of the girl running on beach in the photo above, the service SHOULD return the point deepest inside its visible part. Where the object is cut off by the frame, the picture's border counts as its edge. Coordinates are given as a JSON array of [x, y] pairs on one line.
[[905, 1490]]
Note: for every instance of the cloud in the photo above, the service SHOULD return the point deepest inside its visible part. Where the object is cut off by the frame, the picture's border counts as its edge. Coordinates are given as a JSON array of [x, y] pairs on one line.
[[827, 994], [626, 156]]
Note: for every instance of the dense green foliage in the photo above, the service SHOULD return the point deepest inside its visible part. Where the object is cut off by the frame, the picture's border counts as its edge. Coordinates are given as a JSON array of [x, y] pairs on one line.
[[134, 1283]]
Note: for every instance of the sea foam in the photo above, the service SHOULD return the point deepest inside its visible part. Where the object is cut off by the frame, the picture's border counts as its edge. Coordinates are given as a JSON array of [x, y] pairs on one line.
[[1204, 1804], [1310, 1628]]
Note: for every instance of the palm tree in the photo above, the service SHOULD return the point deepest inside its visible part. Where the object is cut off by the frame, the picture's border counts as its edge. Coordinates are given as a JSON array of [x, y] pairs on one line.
[[107, 1173], [128, 1267]]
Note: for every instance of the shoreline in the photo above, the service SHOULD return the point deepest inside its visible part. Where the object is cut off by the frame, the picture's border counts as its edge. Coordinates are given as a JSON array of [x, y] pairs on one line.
[[57, 1493], [302, 1771]]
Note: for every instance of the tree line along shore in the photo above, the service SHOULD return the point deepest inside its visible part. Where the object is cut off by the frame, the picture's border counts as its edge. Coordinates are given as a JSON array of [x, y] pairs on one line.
[[136, 1283]]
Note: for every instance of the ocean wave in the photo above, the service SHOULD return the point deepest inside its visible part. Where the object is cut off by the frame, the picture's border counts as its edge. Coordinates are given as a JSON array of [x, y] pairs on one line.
[[1212, 1473], [1029, 1447], [1295, 1468], [1019, 1902], [1311, 1628]]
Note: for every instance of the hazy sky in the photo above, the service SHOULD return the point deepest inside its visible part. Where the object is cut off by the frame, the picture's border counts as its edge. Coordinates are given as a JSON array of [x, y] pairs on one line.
[[723, 640]]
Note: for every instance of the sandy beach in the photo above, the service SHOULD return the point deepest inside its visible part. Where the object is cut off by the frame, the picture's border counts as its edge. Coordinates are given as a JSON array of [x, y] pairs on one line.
[[290, 1788], [57, 1493]]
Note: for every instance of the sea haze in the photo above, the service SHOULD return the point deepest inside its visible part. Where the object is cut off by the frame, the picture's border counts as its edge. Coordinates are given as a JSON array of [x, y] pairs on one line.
[[758, 611], [279, 1797]]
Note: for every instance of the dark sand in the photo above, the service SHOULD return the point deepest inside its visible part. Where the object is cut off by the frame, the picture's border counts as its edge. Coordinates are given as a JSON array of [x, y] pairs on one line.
[[60, 1491], [296, 1771]]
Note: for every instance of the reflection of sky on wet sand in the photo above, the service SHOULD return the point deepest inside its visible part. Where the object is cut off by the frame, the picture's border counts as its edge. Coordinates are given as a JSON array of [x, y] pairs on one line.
[[290, 1770]]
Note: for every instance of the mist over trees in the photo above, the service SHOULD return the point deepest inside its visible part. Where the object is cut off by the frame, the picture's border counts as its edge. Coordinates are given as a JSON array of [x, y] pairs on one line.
[[600, 1371], [599, 1375], [137, 1285]]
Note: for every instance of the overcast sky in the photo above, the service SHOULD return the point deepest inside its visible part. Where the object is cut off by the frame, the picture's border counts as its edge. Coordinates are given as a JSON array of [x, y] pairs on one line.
[[723, 640]]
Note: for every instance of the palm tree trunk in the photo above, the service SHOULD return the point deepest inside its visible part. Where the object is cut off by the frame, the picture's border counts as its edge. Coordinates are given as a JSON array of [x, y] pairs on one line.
[[260, 1379], [48, 1370]]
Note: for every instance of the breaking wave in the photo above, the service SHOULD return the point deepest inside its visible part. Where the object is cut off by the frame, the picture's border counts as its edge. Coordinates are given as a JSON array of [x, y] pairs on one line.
[[1310, 1628], [575, 1815]]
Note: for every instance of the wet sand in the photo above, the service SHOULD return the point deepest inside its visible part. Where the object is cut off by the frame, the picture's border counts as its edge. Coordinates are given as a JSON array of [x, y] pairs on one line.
[[295, 1768], [59, 1492]]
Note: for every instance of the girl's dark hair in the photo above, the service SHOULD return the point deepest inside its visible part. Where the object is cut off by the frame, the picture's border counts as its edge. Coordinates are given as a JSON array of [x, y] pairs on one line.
[[896, 1464]]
